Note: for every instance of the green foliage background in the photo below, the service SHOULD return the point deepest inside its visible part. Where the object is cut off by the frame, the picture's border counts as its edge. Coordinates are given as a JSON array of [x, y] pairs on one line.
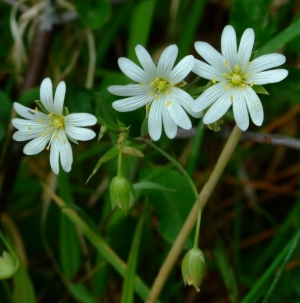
[[250, 227]]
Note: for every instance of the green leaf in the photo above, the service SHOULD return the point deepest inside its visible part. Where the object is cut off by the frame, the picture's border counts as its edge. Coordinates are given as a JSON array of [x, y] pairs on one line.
[[172, 208], [69, 246], [23, 288], [129, 280], [93, 12], [109, 155], [41, 106], [140, 25], [116, 127], [80, 292], [260, 89], [143, 185]]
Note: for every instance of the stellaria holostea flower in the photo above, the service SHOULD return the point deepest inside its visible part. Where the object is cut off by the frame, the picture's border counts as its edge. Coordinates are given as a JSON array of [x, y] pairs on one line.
[[53, 129], [233, 76], [158, 88]]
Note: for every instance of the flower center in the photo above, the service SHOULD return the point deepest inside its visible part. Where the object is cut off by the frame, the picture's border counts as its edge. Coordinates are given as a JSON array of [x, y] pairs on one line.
[[161, 86], [236, 78], [57, 121]]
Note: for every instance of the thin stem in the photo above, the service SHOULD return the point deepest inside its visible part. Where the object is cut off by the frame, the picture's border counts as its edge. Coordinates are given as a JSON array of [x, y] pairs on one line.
[[122, 138], [192, 217]]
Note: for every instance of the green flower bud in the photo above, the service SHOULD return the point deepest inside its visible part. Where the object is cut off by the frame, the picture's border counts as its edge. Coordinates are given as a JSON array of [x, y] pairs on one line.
[[121, 193], [192, 267], [8, 265]]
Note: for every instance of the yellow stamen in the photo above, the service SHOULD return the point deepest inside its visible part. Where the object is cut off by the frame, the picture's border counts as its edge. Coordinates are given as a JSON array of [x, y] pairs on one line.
[[39, 120], [214, 80], [231, 98], [168, 103], [226, 63]]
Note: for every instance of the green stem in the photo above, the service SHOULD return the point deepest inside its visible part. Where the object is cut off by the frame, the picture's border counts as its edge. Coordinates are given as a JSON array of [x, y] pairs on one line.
[[121, 145], [204, 195]]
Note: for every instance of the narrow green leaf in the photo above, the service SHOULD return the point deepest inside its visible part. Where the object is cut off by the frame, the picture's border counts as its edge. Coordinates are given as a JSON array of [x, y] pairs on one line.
[[140, 25], [93, 12], [69, 247], [143, 185], [23, 287], [80, 292], [128, 284], [109, 155]]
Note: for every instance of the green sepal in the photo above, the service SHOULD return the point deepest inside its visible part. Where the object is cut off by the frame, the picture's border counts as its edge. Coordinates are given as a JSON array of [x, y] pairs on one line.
[[109, 155], [260, 89], [73, 140], [41, 106], [103, 131], [115, 127], [66, 111], [253, 55], [216, 126], [129, 150], [181, 84]]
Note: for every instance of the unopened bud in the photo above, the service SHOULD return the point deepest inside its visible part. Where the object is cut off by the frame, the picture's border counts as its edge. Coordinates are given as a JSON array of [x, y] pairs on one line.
[[121, 193], [8, 265], [192, 267]]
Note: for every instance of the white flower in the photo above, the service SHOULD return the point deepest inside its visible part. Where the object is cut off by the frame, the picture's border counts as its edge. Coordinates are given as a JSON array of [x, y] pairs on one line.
[[236, 76], [52, 129], [158, 89]]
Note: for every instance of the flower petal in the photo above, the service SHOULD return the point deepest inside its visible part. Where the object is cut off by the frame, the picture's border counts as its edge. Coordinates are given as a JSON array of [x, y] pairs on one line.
[[66, 156], [54, 155], [132, 103], [133, 71], [169, 125], [229, 45], [182, 69], [46, 95], [218, 109], [130, 90], [206, 71], [245, 48], [36, 145], [80, 119], [271, 76], [185, 100], [254, 106], [214, 58], [59, 98], [265, 62], [29, 113], [79, 133], [146, 61], [28, 126], [155, 120], [240, 110], [209, 96], [166, 61], [178, 115]]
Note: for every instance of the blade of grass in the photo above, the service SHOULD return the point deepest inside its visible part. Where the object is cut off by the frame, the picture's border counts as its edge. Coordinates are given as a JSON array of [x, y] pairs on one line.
[[128, 284], [256, 292], [140, 25], [281, 39]]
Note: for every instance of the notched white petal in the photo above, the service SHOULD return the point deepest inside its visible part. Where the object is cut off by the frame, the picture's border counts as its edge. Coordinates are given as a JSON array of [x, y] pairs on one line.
[[132, 103], [80, 119], [130, 90], [59, 98], [36, 145], [229, 45], [146, 60], [182, 69], [271, 76], [155, 120], [245, 48], [254, 106], [265, 62], [166, 61], [46, 94], [78, 133], [133, 71]]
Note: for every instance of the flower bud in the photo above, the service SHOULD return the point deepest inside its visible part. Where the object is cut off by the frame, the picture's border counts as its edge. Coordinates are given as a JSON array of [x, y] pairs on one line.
[[121, 193], [192, 267], [8, 265]]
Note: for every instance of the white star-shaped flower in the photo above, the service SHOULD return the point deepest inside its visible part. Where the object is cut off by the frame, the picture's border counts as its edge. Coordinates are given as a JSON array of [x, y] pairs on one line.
[[52, 129], [157, 88], [233, 76]]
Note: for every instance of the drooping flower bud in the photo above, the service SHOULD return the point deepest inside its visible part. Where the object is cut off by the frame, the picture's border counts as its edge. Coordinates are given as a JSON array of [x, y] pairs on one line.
[[121, 193], [192, 267], [8, 265]]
